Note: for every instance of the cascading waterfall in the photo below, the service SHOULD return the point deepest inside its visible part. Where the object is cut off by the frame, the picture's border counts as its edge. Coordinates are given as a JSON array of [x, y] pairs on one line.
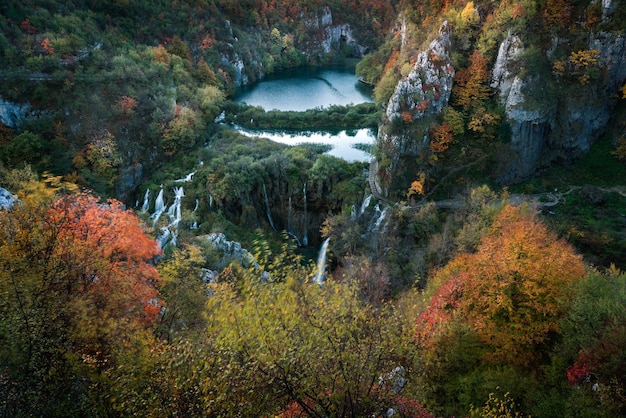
[[267, 208], [380, 219], [174, 211], [146, 201], [159, 204], [305, 236], [186, 179], [169, 233], [320, 276], [164, 237], [365, 204], [194, 225], [159, 207]]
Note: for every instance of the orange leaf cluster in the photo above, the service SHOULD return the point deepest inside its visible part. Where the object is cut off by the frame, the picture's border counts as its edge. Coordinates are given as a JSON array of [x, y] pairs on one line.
[[112, 254], [47, 46], [471, 83], [127, 104], [441, 137], [511, 292]]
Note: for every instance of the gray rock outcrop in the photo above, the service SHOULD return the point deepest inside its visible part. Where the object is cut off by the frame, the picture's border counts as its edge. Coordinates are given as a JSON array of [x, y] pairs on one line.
[[548, 125], [231, 251], [7, 199], [427, 88], [13, 114]]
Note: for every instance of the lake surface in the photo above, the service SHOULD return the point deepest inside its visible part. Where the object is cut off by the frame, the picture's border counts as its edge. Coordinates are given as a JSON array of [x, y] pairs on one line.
[[309, 88], [306, 88], [342, 142]]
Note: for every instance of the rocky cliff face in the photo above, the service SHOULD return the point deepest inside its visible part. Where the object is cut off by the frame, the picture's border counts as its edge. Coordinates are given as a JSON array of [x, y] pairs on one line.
[[422, 94], [426, 90], [557, 99], [320, 35], [560, 126], [13, 114]]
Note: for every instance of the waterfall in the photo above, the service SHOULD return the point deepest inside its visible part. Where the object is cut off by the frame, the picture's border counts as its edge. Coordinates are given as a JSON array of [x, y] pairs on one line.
[[159, 207], [321, 263], [169, 233], [267, 208], [210, 200], [366, 203], [353, 212], [164, 237], [380, 219], [292, 235], [146, 201], [305, 236], [185, 179], [174, 211], [194, 225]]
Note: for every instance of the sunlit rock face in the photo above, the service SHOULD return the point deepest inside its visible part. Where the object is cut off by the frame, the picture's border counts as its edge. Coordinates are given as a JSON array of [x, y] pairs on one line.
[[426, 89]]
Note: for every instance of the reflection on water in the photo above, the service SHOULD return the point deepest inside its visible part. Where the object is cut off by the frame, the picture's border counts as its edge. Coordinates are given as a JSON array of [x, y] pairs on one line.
[[342, 142], [306, 89], [309, 88]]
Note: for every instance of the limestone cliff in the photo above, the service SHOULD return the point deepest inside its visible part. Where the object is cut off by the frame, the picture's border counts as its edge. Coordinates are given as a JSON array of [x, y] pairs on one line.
[[563, 124], [426, 90], [421, 95], [551, 90]]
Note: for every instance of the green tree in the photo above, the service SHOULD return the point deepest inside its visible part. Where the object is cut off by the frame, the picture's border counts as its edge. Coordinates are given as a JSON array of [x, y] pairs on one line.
[[290, 341]]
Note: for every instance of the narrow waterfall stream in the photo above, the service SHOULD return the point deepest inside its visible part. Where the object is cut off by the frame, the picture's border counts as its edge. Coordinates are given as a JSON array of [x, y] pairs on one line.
[[320, 276]]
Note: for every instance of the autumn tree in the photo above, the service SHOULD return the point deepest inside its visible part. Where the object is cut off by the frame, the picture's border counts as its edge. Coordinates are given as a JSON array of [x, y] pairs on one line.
[[76, 285], [592, 348], [513, 291], [470, 85], [441, 137]]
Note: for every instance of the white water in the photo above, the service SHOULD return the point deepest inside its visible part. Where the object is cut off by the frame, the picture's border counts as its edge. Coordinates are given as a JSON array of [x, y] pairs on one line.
[[169, 233], [174, 211], [146, 201], [159, 207], [320, 276], [380, 219], [186, 179], [194, 224], [365, 204]]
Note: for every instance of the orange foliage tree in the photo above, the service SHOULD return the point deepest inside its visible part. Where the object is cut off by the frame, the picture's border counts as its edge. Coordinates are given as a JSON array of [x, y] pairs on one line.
[[470, 85], [77, 285], [512, 292], [441, 137], [117, 273], [517, 285]]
